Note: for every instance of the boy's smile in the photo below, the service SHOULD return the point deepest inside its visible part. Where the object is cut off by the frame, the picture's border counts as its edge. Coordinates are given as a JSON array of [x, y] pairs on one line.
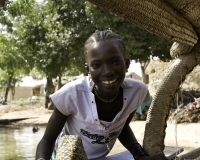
[[107, 66], [109, 82]]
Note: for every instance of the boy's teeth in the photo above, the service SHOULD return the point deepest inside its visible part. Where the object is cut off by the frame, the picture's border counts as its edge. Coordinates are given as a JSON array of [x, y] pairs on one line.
[[109, 82]]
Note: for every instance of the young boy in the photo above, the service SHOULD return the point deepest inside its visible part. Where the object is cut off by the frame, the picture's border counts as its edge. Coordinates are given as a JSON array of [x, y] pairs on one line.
[[98, 107]]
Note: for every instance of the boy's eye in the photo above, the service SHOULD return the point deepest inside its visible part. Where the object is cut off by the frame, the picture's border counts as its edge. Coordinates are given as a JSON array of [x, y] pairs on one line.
[[95, 65], [116, 61]]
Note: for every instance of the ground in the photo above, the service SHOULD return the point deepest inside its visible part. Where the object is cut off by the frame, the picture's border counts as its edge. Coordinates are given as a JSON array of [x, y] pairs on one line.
[[32, 109], [186, 135]]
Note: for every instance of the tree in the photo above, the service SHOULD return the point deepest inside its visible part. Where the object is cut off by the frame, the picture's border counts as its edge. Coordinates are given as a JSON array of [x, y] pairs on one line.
[[73, 17], [50, 38], [12, 63]]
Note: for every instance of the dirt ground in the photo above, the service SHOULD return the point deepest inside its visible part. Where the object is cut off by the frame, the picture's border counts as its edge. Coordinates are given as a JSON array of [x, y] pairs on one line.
[[182, 135], [33, 110]]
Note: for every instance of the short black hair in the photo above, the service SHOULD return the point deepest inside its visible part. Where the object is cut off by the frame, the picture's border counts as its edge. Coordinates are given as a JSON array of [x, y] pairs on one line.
[[107, 35]]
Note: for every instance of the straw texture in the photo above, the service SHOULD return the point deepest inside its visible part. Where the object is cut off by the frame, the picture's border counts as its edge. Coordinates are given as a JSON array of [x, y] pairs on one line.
[[158, 113], [70, 147], [155, 16], [190, 9]]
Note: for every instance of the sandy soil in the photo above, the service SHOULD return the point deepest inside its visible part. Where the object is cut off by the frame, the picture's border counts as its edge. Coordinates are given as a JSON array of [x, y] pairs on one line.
[[36, 112], [182, 135]]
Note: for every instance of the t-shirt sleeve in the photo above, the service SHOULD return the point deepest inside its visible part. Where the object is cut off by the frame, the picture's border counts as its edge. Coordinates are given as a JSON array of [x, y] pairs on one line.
[[64, 101]]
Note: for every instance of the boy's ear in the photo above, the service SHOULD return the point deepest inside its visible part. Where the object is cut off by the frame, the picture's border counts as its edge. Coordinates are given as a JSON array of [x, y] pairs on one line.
[[127, 63], [86, 67]]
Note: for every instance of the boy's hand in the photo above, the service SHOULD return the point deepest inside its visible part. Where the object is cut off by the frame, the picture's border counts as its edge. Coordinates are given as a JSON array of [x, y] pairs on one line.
[[155, 157]]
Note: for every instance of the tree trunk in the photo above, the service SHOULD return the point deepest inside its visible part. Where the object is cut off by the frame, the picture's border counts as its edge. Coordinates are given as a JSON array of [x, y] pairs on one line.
[[59, 82], [49, 89], [145, 77], [2, 3], [13, 93], [7, 89], [13, 87]]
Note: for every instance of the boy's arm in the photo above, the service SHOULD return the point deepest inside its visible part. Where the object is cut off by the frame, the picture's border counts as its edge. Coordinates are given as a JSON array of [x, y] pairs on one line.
[[54, 127], [127, 137], [128, 140]]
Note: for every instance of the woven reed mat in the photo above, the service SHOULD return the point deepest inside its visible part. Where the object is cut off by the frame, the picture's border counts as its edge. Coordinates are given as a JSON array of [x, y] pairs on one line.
[[153, 15], [70, 147], [190, 9]]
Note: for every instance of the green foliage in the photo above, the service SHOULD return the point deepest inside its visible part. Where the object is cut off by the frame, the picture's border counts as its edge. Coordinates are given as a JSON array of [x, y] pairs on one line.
[[11, 60], [37, 75], [10, 13], [21, 7], [73, 17], [50, 37], [12, 63], [3, 80]]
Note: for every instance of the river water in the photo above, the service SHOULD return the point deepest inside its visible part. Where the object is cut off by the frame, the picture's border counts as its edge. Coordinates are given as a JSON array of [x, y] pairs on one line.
[[19, 143]]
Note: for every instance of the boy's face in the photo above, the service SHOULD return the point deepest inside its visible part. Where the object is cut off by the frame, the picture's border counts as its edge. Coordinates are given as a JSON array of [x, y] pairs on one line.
[[107, 66]]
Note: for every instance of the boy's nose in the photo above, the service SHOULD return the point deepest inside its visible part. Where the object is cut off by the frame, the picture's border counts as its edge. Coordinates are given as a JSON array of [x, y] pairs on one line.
[[108, 70]]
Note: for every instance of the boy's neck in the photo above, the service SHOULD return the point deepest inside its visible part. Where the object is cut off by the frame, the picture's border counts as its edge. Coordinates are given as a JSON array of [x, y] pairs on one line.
[[108, 111]]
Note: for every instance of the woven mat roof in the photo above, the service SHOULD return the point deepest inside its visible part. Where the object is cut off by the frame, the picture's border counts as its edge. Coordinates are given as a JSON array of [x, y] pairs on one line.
[[178, 20]]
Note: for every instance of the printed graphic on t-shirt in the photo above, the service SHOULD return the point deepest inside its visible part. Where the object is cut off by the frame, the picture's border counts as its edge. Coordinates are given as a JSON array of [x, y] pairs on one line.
[[99, 139]]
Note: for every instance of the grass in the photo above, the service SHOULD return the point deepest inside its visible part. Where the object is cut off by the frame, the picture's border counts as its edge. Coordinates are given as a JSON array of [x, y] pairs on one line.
[[24, 101]]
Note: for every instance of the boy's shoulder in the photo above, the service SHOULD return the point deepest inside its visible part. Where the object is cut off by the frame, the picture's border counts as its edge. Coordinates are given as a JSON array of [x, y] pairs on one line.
[[82, 83], [130, 82]]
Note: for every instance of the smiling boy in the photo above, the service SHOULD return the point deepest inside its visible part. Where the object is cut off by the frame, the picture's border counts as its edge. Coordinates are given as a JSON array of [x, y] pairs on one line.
[[99, 107]]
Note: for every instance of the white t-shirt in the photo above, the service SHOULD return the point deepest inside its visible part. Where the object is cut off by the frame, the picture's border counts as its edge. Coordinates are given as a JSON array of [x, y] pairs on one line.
[[77, 101]]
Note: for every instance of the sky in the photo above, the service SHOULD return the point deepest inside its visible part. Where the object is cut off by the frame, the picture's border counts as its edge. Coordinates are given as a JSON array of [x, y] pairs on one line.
[[135, 67], [30, 82]]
